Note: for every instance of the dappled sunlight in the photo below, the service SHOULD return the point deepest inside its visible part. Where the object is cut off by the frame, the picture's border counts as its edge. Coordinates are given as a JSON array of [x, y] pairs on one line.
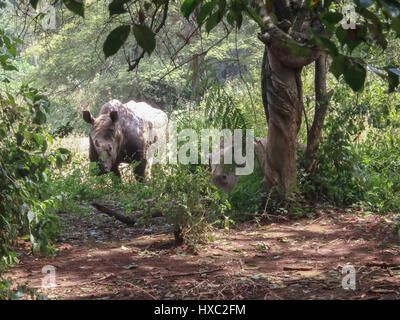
[[291, 260]]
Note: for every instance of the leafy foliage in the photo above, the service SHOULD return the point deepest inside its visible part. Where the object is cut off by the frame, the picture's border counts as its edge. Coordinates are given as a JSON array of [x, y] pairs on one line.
[[357, 162], [359, 158], [24, 166]]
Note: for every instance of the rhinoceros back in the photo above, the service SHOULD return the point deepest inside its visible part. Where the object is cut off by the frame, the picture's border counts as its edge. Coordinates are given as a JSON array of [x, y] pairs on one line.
[[147, 113], [154, 123], [154, 120]]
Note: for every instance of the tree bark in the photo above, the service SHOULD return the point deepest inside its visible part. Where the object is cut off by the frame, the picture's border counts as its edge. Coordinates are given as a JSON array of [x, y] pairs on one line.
[[285, 32], [284, 97], [314, 136], [264, 72]]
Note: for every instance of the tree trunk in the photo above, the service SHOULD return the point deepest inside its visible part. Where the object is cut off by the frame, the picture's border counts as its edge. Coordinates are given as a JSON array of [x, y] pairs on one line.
[[322, 98], [285, 30], [284, 99]]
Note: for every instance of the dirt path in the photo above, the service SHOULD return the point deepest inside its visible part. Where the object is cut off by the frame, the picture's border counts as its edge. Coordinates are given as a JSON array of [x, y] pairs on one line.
[[301, 259]]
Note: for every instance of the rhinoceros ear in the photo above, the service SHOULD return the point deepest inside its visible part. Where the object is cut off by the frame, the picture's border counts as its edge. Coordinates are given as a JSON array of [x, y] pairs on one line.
[[87, 117], [114, 116]]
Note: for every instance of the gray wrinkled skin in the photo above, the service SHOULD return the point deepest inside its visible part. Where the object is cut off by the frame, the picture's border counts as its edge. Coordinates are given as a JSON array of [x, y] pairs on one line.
[[227, 181], [122, 133]]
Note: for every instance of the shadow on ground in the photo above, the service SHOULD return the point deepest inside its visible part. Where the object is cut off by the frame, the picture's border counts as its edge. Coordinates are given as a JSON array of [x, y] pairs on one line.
[[299, 259]]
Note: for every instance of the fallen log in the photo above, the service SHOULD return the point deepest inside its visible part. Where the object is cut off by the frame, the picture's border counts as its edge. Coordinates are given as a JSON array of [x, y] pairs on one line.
[[119, 216]]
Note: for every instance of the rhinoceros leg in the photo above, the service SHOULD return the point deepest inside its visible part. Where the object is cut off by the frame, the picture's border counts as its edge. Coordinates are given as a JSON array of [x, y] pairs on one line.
[[115, 169], [141, 169]]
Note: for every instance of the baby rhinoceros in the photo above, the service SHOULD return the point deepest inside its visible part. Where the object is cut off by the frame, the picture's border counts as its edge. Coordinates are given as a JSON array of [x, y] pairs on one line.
[[122, 133]]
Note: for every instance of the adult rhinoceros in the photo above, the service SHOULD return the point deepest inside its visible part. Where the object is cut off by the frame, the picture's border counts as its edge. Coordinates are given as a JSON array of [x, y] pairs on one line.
[[123, 132]]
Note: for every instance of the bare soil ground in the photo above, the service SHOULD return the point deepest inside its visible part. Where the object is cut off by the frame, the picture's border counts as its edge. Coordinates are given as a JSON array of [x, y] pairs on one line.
[[279, 259]]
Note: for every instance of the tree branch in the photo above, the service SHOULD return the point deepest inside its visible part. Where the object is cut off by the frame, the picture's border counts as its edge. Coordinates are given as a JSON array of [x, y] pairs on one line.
[[135, 62]]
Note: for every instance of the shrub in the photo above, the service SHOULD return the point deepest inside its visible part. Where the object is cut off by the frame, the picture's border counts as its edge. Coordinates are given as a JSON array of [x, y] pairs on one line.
[[24, 166]]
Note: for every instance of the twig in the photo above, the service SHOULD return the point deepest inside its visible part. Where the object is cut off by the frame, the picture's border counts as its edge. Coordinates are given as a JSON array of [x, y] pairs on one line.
[[74, 285], [180, 274], [199, 54], [289, 268], [378, 290], [382, 264], [137, 287]]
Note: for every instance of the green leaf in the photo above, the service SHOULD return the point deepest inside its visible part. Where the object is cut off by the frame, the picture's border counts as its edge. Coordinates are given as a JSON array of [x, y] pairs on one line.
[[64, 151], [10, 46], [204, 12], [392, 9], [16, 40], [354, 75], [115, 40], [4, 57], [368, 15], [188, 7], [12, 50], [377, 35], [375, 27], [235, 16], [393, 78], [345, 39], [221, 6], [75, 6], [331, 18], [230, 18], [8, 66], [364, 3], [213, 20], [255, 16], [145, 37], [20, 138], [328, 44], [40, 117], [117, 7], [34, 3], [396, 25], [338, 66]]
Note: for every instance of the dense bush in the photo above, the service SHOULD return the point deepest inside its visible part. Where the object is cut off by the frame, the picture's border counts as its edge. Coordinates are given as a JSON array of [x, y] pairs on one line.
[[24, 164], [358, 160], [360, 156]]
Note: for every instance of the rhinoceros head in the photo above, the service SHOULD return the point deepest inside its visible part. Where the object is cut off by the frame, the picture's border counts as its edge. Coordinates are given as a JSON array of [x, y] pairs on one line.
[[103, 139]]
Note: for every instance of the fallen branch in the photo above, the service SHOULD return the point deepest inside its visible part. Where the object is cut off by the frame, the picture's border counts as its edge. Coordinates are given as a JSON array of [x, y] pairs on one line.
[[381, 290], [137, 287], [288, 268], [74, 284], [119, 216], [122, 217], [382, 265], [180, 274]]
